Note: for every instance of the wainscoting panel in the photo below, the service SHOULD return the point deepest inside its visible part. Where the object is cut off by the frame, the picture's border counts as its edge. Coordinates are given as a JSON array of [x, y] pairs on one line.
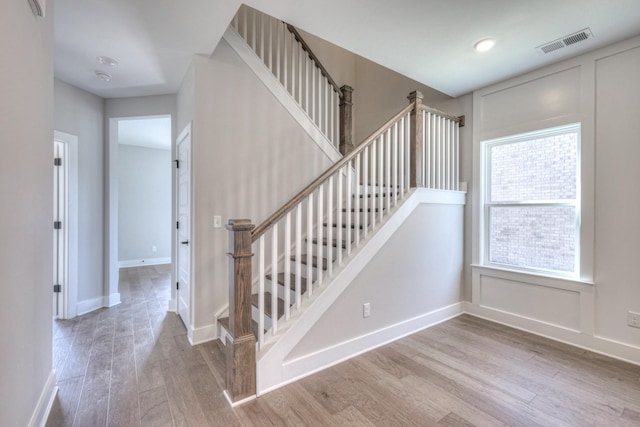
[[559, 307]]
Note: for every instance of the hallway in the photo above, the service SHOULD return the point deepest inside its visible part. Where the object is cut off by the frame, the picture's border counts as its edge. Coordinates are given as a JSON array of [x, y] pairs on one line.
[[132, 364]]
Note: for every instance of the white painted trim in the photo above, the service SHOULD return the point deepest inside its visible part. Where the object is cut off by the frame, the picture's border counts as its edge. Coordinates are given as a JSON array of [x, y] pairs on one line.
[[280, 93], [607, 347], [203, 334], [172, 305], [89, 305], [71, 293], [111, 300], [306, 365], [270, 369], [143, 262], [239, 402], [45, 402]]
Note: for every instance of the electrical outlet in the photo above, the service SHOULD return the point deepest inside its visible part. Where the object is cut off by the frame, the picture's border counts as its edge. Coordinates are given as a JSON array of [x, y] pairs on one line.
[[633, 319], [366, 309], [154, 248], [217, 221]]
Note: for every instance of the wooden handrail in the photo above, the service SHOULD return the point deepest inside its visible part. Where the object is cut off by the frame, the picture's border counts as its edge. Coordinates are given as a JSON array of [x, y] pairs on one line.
[[314, 58], [280, 213], [442, 114]]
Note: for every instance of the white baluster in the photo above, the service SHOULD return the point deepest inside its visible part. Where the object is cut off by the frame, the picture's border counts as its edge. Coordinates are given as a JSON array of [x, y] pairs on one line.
[[287, 266], [262, 37], [310, 210], [356, 209], [285, 54], [401, 157], [274, 281], [261, 276], [319, 234], [457, 157], [395, 163], [270, 65], [277, 57], [339, 217], [365, 185], [372, 190], [349, 197], [330, 225], [407, 152], [387, 168], [253, 30], [244, 23], [298, 264]]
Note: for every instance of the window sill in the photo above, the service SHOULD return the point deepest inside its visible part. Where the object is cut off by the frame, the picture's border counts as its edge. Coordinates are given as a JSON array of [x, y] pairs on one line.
[[530, 276]]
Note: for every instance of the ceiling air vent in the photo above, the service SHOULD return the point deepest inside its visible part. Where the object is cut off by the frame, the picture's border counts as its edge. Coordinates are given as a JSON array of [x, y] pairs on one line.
[[565, 41]]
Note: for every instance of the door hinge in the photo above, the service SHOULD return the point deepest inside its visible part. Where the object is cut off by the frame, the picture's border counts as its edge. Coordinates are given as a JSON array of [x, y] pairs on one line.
[[177, 163], [177, 285], [57, 161], [57, 225], [57, 288]]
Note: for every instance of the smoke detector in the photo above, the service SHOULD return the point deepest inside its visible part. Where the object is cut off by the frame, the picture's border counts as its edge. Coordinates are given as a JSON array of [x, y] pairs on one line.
[[565, 41]]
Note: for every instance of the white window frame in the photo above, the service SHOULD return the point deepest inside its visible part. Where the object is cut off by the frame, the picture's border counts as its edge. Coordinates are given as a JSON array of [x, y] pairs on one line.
[[487, 204]]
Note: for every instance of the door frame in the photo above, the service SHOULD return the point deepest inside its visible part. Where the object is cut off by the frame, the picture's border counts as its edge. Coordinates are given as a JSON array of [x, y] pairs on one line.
[[175, 302], [69, 288]]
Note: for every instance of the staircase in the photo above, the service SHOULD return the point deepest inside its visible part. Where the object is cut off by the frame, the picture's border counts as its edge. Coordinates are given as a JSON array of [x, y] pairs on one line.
[[303, 247]]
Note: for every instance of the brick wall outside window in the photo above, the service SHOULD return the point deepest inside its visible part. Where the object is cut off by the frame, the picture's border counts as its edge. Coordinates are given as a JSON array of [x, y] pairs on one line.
[[541, 173]]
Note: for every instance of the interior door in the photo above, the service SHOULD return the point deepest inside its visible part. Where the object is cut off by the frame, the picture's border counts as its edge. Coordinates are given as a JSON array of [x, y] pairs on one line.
[[184, 226], [59, 227]]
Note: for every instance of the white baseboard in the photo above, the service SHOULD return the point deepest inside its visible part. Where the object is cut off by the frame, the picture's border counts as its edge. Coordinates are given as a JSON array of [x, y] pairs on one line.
[[111, 300], [92, 304], [143, 262], [203, 334], [607, 347], [298, 368], [47, 397], [89, 305]]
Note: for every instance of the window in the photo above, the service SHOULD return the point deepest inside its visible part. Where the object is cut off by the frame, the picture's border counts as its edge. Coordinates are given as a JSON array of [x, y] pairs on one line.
[[532, 201]]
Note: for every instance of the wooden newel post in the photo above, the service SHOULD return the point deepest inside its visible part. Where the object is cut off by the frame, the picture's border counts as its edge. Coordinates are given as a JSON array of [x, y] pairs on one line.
[[240, 341], [415, 124], [346, 120]]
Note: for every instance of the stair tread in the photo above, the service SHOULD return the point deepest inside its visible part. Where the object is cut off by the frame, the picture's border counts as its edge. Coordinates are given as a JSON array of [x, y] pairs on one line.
[[314, 261], [224, 321], [344, 225], [362, 209], [292, 281], [334, 242], [267, 304]]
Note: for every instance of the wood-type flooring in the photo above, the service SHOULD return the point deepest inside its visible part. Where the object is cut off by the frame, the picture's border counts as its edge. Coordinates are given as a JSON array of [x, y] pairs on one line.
[[131, 365]]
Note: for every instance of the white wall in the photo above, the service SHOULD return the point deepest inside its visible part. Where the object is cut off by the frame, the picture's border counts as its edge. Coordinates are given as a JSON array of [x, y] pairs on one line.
[[82, 114], [417, 271], [409, 272], [600, 90], [26, 120], [249, 157], [144, 218], [381, 93]]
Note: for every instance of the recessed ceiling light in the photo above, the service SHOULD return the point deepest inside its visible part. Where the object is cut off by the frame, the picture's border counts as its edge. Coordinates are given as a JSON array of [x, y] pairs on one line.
[[103, 76], [109, 62], [484, 44]]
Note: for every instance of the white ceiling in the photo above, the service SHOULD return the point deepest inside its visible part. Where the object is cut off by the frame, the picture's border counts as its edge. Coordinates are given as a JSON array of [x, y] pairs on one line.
[[145, 132], [430, 41]]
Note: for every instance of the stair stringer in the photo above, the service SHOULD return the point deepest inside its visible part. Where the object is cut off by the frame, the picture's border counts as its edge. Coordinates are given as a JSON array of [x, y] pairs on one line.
[[273, 371], [267, 78]]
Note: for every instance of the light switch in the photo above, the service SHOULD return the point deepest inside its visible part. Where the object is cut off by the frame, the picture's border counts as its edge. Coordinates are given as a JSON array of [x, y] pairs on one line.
[[217, 221]]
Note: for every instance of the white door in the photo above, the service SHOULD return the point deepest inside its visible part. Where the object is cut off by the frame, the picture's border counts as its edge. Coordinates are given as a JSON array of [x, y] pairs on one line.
[[60, 225], [184, 225]]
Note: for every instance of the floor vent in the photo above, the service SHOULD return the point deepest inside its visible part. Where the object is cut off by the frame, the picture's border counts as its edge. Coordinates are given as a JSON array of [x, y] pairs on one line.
[[565, 41]]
